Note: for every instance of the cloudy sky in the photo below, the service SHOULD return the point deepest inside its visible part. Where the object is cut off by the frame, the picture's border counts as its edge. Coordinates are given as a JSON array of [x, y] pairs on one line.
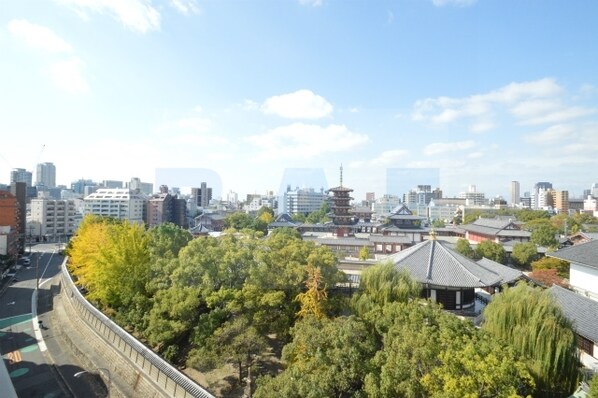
[[484, 91]]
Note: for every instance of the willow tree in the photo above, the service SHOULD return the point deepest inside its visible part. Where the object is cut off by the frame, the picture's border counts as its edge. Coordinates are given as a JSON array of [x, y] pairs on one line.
[[382, 284], [529, 320]]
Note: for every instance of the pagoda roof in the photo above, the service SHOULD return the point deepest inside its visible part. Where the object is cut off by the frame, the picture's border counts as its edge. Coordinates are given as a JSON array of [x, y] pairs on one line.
[[433, 262], [340, 189]]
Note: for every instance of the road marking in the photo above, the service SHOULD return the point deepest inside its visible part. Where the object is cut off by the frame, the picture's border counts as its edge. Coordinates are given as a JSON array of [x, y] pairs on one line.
[[14, 357]]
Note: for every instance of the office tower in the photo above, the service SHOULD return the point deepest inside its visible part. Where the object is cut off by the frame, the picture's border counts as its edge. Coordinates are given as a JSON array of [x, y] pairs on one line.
[[21, 175], [46, 175], [515, 193]]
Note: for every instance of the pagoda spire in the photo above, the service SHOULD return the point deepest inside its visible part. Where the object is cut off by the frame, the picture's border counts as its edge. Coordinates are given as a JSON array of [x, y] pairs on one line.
[[341, 174]]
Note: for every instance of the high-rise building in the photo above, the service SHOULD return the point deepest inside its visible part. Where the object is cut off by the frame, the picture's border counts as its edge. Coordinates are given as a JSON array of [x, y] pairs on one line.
[[21, 175], [164, 207], [302, 201], [45, 175], [202, 195], [515, 193], [539, 194], [473, 197], [136, 185], [79, 186], [112, 184], [53, 219], [559, 200]]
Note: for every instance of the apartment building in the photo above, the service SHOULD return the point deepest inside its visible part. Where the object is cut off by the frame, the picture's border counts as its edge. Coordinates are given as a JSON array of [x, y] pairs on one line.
[[53, 219], [122, 204]]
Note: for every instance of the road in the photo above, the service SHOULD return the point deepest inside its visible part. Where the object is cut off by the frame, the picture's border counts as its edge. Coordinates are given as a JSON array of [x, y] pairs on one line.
[[37, 364]]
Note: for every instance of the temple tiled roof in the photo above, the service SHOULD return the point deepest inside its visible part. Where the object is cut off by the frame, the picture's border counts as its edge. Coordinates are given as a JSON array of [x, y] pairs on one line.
[[496, 227], [432, 262], [584, 253], [580, 310], [507, 274]]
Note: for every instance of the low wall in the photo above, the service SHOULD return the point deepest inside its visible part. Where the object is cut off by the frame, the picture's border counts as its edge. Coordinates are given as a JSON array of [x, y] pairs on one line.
[[146, 374]]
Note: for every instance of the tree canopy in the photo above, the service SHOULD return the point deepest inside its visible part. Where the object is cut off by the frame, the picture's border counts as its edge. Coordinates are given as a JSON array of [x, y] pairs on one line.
[[529, 320]]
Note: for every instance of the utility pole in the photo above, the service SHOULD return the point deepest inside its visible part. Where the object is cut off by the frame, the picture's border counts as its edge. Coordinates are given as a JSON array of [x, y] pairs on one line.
[[37, 273]]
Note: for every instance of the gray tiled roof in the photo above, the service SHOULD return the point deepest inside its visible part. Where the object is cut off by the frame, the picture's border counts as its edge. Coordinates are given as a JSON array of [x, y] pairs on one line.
[[584, 253], [495, 223], [340, 241], [433, 262], [487, 230], [507, 274], [580, 310], [390, 239]]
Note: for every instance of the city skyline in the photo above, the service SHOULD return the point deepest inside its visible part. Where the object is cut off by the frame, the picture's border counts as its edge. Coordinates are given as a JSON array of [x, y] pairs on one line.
[[484, 92]]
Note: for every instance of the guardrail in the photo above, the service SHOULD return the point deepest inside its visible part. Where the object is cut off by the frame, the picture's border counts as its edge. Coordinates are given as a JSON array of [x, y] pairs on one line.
[[152, 366]]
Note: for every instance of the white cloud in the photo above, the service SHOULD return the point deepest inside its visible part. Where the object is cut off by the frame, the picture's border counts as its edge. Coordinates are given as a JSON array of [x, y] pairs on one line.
[[67, 75], [202, 140], [458, 3], [552, 134], [390, 157], [481, 126], [303, 141], [137, 15], [198, 124], [440, 148], [185, 7], [535, 102], [302, 104], [38, 36], [313, 3]]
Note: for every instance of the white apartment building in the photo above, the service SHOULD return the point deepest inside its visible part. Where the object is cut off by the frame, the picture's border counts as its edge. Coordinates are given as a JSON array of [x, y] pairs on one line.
[[53, 219], [122, 204], [302, 201]]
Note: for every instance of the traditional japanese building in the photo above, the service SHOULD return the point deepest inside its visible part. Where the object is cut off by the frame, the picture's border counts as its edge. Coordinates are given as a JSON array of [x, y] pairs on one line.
[[340, 204], [495, 229], [449, 278]]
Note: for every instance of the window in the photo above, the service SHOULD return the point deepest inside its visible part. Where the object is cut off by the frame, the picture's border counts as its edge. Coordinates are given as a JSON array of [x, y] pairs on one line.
[[585, 345]]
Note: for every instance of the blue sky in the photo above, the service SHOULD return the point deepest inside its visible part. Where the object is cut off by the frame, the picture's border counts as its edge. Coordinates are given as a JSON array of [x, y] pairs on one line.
[[484, 91]]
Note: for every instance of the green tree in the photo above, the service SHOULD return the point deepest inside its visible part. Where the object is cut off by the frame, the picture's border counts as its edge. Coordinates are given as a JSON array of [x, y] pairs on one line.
[[326, 358], [382, 284], [464, 247], [478, 366], [491, 250], [412, 337], [238, 220], [364, 253], [438, 223], [529, 320], [527, 215], [593, 393], [543, 232], [235, 342], [561, 266], [524, 253]]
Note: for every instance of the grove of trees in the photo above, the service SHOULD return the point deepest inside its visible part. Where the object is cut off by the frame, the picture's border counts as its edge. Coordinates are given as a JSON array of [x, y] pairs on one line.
[[207, 302]]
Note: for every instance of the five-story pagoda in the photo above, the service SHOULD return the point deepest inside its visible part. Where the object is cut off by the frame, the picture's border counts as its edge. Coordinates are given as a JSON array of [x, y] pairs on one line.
[[341, 209]]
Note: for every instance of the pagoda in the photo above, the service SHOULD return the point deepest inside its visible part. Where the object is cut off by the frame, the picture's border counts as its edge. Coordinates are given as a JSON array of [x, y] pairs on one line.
[[341, 209]]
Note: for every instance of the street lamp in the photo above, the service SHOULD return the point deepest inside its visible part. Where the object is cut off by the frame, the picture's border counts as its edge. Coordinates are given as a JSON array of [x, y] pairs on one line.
[[100, 370]]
